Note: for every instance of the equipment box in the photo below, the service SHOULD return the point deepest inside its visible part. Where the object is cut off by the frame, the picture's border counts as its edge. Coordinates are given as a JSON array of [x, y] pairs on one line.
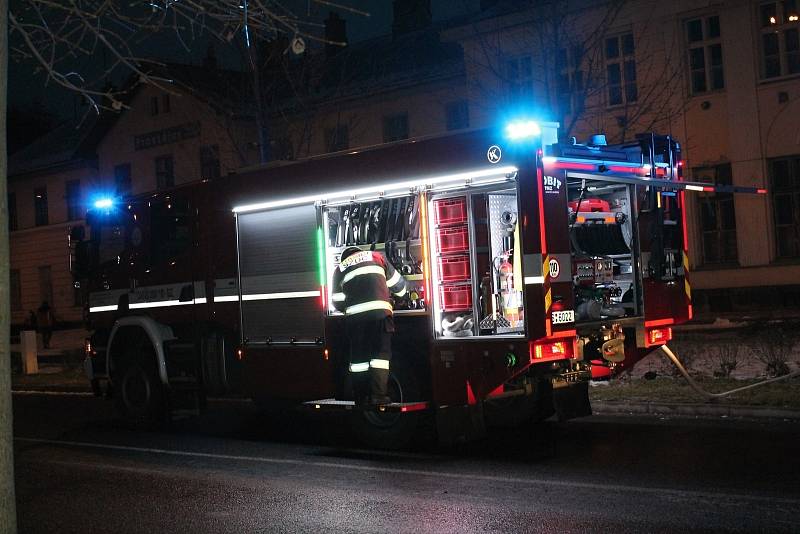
[[452, 239], [456, 297], [450, 211], [454, 269]]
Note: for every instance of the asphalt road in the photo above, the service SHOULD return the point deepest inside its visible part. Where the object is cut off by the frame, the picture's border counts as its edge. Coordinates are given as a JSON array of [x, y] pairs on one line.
[[233, 470]]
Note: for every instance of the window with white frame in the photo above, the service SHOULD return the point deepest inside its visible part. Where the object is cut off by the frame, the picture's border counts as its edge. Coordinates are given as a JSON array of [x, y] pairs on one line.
[[717, 216], [569, 80], [705, 54], [784, 175], [780, 38], [621, 70], [519, 78]]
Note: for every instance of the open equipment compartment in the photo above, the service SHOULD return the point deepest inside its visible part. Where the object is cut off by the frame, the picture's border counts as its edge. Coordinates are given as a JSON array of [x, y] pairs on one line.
[[476, 276], [603, 249], [390, 226]]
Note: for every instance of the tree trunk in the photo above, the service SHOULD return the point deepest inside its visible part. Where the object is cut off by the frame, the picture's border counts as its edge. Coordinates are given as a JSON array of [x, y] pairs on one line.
[[8, 515]]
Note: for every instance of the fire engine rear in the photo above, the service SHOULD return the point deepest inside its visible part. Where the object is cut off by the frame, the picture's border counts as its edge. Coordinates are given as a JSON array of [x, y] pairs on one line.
[[530, 265]]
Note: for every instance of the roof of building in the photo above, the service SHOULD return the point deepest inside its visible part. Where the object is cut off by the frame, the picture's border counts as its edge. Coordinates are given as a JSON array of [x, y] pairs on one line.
[[71, 141]]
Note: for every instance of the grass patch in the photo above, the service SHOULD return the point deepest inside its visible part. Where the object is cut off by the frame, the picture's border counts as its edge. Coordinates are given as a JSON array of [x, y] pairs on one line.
[[779, 395]]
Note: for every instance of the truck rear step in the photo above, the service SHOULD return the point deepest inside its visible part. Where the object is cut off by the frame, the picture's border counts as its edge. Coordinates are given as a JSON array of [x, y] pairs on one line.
[[345, 405]]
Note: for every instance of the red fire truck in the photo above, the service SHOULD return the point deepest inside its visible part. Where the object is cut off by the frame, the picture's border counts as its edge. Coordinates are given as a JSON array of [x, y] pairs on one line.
[[531, 264]]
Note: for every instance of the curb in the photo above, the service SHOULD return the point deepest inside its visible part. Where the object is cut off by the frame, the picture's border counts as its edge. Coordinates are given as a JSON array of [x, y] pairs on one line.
[[692, 410]]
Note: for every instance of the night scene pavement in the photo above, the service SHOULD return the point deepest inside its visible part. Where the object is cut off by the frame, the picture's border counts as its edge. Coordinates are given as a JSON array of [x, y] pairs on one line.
[[234, 470]]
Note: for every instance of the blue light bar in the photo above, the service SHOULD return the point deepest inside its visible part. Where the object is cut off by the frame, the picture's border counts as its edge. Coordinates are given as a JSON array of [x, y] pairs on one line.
[[103, 203], [522, 130]]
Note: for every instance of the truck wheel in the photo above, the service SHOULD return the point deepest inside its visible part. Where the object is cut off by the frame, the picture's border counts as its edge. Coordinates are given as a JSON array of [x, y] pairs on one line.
[[138, 392], [390, 430]]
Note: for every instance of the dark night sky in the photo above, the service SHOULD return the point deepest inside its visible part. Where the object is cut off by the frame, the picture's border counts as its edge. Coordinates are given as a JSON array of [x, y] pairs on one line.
[[31, 90]]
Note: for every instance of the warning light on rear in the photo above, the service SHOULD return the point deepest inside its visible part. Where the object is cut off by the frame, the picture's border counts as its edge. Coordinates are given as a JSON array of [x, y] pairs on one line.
[[522, 130]]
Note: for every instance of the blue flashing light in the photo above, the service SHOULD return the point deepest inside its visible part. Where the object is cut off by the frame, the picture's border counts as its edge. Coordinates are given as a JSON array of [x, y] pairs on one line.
[[522, 130], [103, 203]]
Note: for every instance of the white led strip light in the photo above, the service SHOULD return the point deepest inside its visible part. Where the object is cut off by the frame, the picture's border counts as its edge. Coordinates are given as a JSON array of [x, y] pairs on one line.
[[203, 300], [483, 173]]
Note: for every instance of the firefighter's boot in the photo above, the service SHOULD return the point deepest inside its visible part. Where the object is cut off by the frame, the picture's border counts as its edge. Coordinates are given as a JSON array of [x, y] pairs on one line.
[[379, 386]]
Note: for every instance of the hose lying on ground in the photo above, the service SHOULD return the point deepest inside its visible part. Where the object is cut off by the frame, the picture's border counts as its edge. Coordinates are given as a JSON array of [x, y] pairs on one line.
[[695, 386]]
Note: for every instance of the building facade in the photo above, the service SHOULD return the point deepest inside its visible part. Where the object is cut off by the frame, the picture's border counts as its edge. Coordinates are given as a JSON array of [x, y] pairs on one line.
[[721, 77]]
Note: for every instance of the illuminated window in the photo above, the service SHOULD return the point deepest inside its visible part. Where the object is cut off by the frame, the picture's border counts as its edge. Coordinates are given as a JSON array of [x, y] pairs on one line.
[[780, 38], [784, 175], [621, 70], [717, 216], [705, 54]]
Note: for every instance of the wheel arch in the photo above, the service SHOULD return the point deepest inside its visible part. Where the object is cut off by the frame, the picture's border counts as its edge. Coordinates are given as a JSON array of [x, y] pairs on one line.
[[155, 332]]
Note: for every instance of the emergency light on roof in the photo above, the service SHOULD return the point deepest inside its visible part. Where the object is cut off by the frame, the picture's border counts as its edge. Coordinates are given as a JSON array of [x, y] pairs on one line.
[[522, 130], [103, 203], [473, 178]]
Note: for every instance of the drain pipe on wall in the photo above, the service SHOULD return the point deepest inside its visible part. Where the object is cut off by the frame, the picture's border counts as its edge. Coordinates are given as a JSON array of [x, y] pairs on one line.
[[712, 396]]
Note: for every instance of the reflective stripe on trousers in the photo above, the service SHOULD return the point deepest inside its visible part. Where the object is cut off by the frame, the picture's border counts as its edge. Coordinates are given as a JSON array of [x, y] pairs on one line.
[[374, 363], [368, 306], [359, 367]]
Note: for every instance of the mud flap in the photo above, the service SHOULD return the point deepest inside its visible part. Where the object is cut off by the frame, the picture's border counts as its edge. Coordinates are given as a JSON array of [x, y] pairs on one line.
[[571, 400]]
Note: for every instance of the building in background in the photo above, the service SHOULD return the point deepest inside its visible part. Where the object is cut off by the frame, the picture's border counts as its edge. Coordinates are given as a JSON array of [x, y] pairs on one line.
[[723, 78]]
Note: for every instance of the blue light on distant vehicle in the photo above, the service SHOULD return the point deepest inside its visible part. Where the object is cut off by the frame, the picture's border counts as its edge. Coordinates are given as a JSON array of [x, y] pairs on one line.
[[103, 203], [522, 130]]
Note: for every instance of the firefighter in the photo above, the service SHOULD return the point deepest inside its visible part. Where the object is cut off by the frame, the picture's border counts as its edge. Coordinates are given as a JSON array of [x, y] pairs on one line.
[[361, 286]]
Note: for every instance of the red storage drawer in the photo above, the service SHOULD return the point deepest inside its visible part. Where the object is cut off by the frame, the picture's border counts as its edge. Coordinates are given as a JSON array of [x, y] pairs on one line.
[[450, 210], [453, 239], [456, 298], [454, 268]]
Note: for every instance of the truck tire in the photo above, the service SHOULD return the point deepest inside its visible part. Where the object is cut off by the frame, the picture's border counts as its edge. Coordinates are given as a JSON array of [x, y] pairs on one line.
[[390, 430], [138, 391]]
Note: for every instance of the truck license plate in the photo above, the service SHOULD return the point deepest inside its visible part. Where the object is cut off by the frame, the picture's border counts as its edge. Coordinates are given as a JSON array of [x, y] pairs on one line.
[[561, 317]]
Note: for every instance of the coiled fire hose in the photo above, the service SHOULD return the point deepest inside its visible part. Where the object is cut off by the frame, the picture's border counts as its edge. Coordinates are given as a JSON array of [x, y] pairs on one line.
[[695, 386]]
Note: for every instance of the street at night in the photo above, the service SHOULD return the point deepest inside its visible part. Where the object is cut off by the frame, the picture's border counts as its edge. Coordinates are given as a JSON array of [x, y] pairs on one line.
[[78, 469]]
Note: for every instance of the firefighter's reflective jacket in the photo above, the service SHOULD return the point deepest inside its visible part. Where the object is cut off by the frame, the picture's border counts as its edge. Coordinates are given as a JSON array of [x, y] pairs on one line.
[[361, 285]]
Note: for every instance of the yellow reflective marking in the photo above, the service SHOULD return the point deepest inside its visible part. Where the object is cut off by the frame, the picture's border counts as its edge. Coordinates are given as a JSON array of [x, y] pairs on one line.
[[548, 299]]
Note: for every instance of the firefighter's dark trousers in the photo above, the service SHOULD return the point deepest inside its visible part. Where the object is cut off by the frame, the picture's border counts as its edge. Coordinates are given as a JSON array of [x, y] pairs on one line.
[[370, 355]]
